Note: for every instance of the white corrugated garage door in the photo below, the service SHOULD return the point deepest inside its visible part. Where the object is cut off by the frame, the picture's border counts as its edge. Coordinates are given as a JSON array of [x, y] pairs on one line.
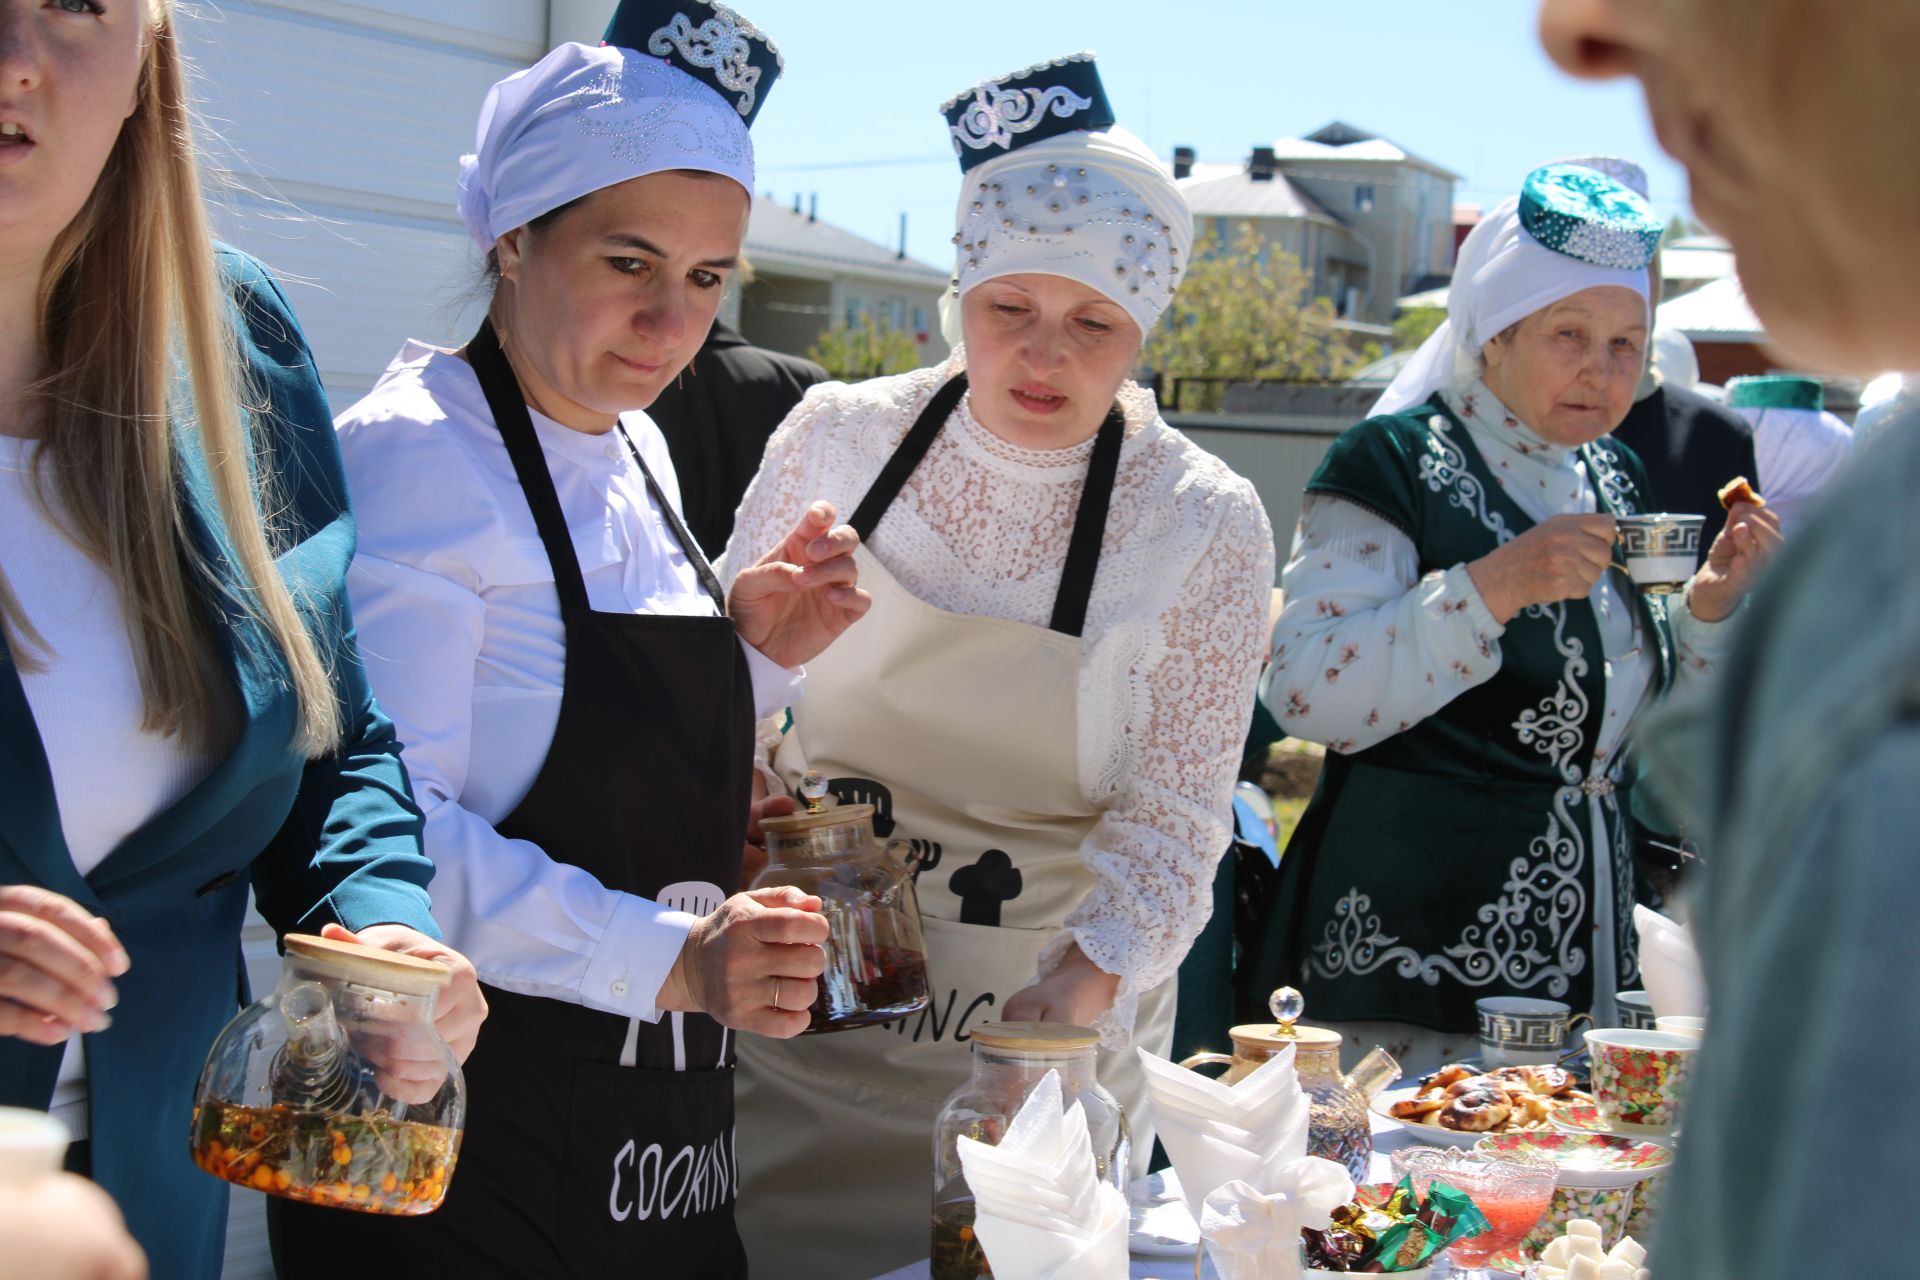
[[341, 124]]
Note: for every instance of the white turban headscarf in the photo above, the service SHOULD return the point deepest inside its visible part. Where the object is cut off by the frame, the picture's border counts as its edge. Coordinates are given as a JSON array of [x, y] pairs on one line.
[[1503, 276], [583, 118], [1093, 206]]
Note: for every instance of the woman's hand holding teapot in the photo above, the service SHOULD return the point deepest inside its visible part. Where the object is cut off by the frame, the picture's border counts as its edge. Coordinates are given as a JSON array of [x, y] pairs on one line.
[[754, 964]]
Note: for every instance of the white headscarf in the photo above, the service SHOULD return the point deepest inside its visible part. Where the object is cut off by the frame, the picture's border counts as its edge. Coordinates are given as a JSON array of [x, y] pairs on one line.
[[583, 118], [1503, 276], [1094, 206]]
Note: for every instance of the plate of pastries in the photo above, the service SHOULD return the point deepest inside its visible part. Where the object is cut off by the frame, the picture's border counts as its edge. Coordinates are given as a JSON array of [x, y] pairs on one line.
[[1462, 1103]]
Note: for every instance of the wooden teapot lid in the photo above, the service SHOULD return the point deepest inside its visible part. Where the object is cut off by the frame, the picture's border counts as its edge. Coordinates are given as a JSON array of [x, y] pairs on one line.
[[1286, 1005], [1036, 1037], [819, 809], [408, 975], [840, 816]]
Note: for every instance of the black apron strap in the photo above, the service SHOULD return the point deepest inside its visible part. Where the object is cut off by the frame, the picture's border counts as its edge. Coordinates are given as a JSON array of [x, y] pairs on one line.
[[509, 409], [709, 581], [1089, 523], [919, 438], [1089, 529]]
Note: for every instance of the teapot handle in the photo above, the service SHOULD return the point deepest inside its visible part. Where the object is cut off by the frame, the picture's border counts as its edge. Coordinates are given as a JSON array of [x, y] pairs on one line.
[[1207, 1060]]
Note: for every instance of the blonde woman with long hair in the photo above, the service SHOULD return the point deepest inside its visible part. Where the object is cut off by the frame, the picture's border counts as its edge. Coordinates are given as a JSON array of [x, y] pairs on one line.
[[182, 709]]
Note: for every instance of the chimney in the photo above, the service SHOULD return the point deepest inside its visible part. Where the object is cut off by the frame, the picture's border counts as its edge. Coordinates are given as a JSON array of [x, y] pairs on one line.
[[796, 203], [813, 206], [1261, 168], [1183, 158], [903, 236]]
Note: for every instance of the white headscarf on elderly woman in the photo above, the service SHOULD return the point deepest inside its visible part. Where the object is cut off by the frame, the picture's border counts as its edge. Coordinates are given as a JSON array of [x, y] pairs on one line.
[[1505, 274], [1092, 203]]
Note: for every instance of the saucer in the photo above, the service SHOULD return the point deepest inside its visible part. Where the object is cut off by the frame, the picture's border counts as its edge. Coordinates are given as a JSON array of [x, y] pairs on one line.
[[1587, 1118]]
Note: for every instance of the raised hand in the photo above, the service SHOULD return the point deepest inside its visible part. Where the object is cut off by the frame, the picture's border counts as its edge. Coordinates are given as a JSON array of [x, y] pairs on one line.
[[801, 595], [1750, 538]]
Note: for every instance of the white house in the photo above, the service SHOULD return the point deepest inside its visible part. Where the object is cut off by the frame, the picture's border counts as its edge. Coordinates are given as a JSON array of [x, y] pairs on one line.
[[1368, 219]]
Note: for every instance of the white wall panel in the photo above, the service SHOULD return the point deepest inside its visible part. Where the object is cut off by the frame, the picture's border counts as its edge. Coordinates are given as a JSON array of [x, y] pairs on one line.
[[362, 285], [330, 105]]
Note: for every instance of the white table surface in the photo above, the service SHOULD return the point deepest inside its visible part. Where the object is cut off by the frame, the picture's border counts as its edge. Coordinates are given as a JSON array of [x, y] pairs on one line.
[[1388, 1136]]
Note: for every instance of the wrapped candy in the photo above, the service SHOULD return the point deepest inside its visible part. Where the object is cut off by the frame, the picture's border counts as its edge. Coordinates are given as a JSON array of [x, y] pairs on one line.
[[1396, 1231]]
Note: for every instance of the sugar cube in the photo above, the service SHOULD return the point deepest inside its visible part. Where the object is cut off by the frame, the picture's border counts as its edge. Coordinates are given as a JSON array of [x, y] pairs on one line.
[[1583, 1268], [1629, 1251], [1584, 1227]]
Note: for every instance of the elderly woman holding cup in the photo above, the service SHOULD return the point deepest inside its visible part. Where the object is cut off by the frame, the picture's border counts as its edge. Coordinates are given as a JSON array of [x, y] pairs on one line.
[[1459, 633]]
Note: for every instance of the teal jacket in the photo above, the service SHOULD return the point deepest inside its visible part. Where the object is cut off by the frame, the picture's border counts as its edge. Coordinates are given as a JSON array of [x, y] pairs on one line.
[[336, 839]]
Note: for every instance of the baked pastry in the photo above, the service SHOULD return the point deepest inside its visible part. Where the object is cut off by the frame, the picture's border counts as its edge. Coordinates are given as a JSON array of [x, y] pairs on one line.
[[1416, 1107], [1738, 490], [1477, 1111]]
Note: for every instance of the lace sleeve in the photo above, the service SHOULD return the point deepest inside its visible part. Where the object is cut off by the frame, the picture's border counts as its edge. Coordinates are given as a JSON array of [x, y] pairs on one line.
[[1365, 647], [1155, 848]]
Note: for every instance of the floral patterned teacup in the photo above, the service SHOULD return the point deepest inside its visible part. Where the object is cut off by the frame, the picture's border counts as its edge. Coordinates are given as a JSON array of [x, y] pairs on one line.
[[1640, 1077]]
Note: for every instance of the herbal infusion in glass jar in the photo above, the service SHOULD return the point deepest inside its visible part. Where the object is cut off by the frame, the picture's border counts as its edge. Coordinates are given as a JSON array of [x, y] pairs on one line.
[[876, 957], [297, 1098]]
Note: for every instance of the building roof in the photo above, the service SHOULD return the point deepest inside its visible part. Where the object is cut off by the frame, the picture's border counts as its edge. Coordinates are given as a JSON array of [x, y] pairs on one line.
[[777, 236], [1229, 190], [1696, 258], [1715, 312], [1342, 141]]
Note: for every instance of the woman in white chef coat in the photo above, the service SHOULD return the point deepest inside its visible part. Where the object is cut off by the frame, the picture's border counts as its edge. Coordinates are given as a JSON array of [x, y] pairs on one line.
[[1050, 694], [575, 696]]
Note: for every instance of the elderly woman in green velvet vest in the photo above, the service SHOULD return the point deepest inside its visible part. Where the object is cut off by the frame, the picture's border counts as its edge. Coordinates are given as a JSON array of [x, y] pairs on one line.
[[1457, 633]]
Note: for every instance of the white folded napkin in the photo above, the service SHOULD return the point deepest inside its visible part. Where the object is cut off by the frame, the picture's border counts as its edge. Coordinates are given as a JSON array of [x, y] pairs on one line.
[[1670, 966], [1041, 1211], [1216, 1133], [1255, 1236]]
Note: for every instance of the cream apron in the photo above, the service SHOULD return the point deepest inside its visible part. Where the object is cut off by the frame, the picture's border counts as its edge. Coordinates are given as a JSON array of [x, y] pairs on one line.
[[962, 731]]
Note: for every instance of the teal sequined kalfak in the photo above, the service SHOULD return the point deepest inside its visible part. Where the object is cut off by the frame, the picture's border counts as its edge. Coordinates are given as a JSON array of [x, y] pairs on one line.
[[1584, 214]]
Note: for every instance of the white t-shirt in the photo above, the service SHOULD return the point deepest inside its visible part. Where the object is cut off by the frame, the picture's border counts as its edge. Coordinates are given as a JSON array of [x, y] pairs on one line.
[[110, 775]]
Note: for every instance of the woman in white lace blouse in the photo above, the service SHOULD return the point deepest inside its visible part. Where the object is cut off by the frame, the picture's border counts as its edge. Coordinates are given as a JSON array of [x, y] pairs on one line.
[[1050, 693], [1458, 633]]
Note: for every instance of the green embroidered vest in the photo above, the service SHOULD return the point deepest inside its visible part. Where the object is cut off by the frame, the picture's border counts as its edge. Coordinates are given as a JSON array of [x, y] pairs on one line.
[[1455, 859]]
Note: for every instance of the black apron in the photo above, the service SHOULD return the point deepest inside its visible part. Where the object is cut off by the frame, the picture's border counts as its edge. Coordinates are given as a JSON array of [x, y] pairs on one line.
[[596, 1145]]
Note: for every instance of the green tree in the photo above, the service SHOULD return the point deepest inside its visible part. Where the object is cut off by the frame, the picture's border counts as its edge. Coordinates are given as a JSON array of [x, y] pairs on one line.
[[1245, 313], [1415, 325], [871, 348]]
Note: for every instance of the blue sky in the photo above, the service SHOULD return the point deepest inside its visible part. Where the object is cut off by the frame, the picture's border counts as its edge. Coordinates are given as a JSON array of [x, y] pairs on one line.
[[1462, 82]]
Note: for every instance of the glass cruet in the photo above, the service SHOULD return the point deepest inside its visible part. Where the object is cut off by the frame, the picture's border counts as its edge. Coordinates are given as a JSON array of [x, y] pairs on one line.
[[876, 955], [297, 1099], [1009, 1059]]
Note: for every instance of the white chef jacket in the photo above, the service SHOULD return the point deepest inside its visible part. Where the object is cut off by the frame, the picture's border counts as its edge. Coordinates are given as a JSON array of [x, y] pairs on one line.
[[459, 627]]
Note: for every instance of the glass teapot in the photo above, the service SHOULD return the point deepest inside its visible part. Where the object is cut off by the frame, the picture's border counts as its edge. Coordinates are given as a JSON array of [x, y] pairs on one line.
[[303, 1094], [1009, 1059], [876, 957], [1340, 1128]]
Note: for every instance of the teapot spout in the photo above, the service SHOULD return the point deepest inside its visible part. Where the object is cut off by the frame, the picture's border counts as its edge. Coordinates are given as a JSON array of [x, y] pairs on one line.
[[1373, 1073]]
